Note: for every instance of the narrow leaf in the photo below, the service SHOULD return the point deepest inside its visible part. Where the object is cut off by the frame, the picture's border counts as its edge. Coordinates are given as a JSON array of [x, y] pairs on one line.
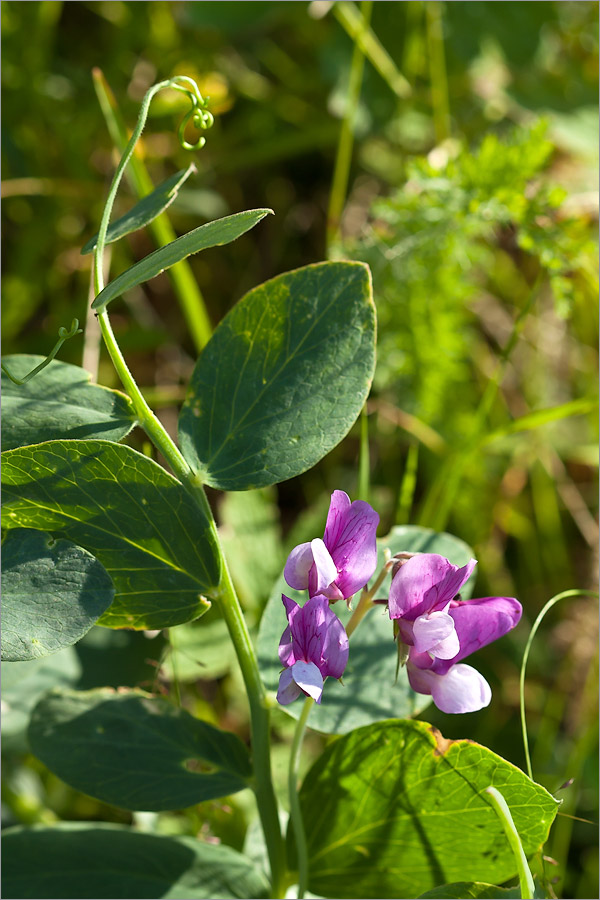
[[97, 860], [53, 592], [213, 234], [134, 750], [60, 402], [370, 691], [146, 210], [300, 354], [139, 521], [394, 809]]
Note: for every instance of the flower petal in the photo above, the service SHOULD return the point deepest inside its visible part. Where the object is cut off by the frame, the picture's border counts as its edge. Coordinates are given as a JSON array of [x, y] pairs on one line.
[[308, 678], [435, 632], [350, 537], [461, 690], [286, 648], [323, 572], [298, 566], [479, 622], [426, 582], [288, 690]]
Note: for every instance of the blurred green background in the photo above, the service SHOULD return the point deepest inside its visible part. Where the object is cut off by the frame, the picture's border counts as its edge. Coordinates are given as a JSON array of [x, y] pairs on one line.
[[472, 193]]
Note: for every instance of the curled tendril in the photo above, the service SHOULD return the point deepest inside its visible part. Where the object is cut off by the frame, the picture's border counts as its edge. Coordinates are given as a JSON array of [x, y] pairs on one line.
[[63, 335], [201, 119]]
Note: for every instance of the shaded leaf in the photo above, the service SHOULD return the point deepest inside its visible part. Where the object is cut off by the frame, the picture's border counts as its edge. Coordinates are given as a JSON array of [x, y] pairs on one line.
[[139, 521], [60, 402], [213, 234], [368, 693], [71, 861], [53, 592], [300, 352], [395, 809], [146, 210], [200, 650], [134, 750]]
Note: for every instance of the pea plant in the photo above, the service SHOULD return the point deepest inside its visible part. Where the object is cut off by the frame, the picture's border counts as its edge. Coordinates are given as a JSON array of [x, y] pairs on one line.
[[357, 636]]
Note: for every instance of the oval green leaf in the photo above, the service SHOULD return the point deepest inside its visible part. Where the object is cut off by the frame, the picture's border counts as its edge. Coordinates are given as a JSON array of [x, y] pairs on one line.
[[213, 234], [97, 860], [139, 521], [283, 378], [53, 592], [394, 809], [146, 210], [134, 750], [60, 402], [369, 692]]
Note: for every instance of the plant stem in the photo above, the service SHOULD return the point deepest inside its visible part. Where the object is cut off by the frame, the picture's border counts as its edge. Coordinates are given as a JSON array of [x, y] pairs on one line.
[[295, 811], [346, 140], [503, 812], [185, 287], [563, 595], [437, 70]]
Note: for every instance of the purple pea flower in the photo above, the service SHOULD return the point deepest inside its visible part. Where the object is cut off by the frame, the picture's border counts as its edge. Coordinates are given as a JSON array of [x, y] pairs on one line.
[[313, 646], [342, 563], [441, 630]]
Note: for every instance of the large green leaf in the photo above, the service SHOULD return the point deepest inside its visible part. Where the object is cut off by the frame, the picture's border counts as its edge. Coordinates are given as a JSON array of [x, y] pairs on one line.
[[139, 521], [394, 809], [93, 860], [369, 692], [60, 402], [283, 377], [146, 210], [53, 592], [471, 890], [134, 750], [213, 234]]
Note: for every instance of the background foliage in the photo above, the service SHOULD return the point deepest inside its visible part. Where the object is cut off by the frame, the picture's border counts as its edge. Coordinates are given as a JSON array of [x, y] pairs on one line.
[[472, 195]]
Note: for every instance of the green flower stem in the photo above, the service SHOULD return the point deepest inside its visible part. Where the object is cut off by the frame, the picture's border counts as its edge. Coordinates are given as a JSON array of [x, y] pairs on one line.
[[295, 811], [562, 596], [503, 812], [343, 158], [185, 286]]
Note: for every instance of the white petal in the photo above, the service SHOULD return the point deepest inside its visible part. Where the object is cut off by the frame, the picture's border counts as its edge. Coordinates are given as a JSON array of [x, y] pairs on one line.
[[308, 678], [298, 565], [326, 568], [288, 690], [461, 690], [435, 633]]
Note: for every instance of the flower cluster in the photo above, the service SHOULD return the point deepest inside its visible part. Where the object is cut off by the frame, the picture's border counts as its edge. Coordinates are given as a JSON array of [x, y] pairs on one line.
[[441, 630], [434, 628], [315, 644]]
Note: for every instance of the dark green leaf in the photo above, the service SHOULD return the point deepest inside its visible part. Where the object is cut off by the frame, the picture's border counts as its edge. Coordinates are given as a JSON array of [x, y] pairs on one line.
[[394, 809], [60, 402], [146, 210], [283, 377], [92, 860], [471, 890], [213, 234], [53, 592], [134, 750], [368, 693], [139, 521]]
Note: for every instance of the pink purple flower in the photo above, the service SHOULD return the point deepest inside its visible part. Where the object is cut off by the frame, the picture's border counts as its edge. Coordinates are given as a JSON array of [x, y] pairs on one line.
[[342, 562], [313, 646], [441, 630]]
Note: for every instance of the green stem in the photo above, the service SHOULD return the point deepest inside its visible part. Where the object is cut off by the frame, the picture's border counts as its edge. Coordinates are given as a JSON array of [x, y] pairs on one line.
[[343, 158], [185, 287], [503, 812], [437, 70], [536, 625], [295, 811]]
